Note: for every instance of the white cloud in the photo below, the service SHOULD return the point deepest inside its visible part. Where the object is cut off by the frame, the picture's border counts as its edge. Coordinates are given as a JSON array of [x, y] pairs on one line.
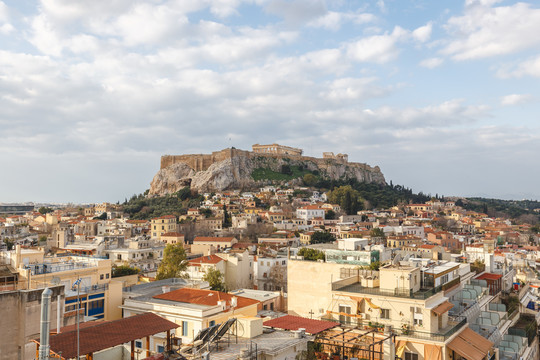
[[431, 63], [377, 48], [485, 31], [297, 12], [334, 20], [529, 67], [515, 99], [423, 33]]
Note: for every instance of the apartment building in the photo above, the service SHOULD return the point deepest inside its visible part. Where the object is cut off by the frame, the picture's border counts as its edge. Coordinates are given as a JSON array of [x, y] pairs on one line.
[[162, 225]]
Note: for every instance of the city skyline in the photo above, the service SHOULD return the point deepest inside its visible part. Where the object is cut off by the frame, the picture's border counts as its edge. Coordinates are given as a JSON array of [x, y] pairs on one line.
[[442, 96]]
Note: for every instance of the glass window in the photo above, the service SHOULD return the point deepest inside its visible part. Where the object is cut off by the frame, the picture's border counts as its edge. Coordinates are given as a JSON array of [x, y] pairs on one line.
[[138, 344], [160, 349], [184, 328], [411, 356], [385, 313]]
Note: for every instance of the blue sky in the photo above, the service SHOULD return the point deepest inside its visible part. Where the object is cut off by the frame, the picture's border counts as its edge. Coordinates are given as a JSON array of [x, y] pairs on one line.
[[442, 95]]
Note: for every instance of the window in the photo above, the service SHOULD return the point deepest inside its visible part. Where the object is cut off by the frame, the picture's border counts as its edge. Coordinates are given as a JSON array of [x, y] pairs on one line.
[[101, 277], [212, 323], [344, 319], [138, 344], [272, 306], [265, 307], [160, 349], [418, 322], [119, 257], [411, 356], [107, 276], [283, 262], [385, 313], [184, 328]]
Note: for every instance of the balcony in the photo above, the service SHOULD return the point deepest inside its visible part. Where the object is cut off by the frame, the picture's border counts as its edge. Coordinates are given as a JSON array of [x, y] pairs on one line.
[[453, 327]]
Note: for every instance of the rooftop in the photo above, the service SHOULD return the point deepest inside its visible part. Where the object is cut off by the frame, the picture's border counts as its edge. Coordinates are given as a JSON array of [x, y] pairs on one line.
[[204, 297], [290, 322]]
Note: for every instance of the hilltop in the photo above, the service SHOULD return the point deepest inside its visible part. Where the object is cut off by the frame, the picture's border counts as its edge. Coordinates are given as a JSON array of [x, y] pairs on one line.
[[240, 169]]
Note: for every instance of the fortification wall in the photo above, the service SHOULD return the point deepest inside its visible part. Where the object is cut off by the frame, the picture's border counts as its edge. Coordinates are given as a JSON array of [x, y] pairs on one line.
[[201, 162]]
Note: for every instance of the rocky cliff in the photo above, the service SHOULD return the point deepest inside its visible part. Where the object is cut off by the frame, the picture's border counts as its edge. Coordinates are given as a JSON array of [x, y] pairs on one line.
[[234, 169]]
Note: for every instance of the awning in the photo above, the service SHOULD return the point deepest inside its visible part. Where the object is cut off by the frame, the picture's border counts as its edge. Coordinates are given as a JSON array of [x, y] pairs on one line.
[[371, 304], [400, 348], [442, 308], [471, 345], [357, 299]]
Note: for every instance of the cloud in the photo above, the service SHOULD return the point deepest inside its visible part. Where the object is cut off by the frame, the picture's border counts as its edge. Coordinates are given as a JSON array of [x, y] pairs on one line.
[[529, 67], [297, 12], [334, 20], [423, 33], [485, 31], [377, 48], [515, 99], [431, 63]]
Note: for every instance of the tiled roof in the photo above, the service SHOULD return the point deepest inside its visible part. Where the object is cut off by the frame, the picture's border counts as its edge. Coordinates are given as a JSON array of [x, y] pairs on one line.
[[203, 297], [208, 259], [212, 239], [105, 335], [176, 234], [290, 322], [489, 276]]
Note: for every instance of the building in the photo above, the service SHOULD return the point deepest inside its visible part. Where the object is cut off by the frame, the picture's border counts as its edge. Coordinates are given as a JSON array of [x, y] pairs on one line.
[[270, 273], [192, 309], [162, 225], [21, 314], [309, 212], [276, 149]]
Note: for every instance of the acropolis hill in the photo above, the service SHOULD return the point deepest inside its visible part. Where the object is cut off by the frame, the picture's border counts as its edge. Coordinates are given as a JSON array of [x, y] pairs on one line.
[[233, 168]]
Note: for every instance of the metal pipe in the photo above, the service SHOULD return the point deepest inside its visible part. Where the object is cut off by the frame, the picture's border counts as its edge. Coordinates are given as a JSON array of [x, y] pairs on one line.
[[58, 313], [44, 347]]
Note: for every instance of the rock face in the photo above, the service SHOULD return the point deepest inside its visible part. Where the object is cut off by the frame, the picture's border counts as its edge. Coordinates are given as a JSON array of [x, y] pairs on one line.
[[232, 169]]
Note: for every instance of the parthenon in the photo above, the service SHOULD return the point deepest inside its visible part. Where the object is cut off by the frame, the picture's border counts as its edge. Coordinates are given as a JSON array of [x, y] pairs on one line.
[[277, 149]]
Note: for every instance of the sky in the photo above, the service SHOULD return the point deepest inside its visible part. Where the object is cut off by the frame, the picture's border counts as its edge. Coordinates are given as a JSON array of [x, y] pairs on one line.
[[442, 95]]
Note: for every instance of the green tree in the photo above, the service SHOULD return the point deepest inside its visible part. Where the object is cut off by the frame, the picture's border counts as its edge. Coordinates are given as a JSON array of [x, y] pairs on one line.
[[227, 218], [215, 279], [348, 198], [377, 233], [286, 169], [375, 266], [101, 217], [174, 263], [310, 179], [10, 243], [311, 254], [124, 270], [330, 215], [320, 237], [45, 210], [42, 239]]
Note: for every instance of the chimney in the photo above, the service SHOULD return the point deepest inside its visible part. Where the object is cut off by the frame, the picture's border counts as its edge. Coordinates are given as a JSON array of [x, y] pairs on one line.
[[234, 301], [165, 289], [44, 347]]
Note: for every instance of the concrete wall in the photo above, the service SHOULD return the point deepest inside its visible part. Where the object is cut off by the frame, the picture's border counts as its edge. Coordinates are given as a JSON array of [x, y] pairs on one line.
[[309, 286], [21, 314]]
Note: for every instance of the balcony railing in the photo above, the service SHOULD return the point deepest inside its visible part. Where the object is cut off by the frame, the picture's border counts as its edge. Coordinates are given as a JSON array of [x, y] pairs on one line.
[[403, 293], [453, 327]]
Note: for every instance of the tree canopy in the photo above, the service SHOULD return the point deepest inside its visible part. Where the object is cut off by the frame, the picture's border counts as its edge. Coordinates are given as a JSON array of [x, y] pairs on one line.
[[320, 237], [174, 263], [215, 279], [124, 270], [348, 198], [311, 254]]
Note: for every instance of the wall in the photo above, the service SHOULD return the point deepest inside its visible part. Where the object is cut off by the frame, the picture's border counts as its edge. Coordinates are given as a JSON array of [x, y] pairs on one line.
[[21, 314], [309, 287]]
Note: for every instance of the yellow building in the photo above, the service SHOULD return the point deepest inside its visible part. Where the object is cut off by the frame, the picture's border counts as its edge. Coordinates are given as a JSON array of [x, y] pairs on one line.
[[162, 225]]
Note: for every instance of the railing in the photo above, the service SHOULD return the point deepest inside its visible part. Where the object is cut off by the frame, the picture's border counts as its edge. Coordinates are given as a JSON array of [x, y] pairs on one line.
[[403, 293], [423, 335]]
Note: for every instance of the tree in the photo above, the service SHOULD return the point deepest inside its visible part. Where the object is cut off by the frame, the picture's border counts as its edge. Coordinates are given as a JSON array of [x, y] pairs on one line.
[[377, 233], [174, 263], [277, 277], [320, 237], [286, 169], [42, 239], [375, 266], [311, 254], [227, 218], [103, 216], [124, 270], [348, 198], [45, 210], [215, 279], [330, 215], [310, 179], [10, 243]]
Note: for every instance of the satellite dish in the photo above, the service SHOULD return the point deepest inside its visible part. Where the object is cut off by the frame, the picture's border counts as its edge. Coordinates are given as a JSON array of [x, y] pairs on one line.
[[55, 280]]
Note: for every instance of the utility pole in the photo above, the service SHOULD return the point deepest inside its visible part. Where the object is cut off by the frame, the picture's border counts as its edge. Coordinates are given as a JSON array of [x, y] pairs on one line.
[[78, 284]]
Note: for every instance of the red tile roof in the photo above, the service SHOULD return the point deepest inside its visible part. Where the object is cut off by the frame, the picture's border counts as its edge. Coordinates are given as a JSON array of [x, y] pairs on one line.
[[212, 239], [209, 259], [489, 276], [108, 334], [204, 297], [290, 322]]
